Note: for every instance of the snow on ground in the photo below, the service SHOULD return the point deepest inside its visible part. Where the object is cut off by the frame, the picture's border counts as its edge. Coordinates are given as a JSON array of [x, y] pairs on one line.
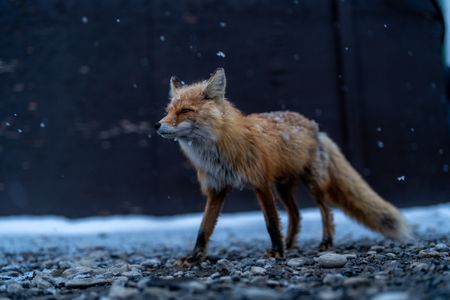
[[18, 232]]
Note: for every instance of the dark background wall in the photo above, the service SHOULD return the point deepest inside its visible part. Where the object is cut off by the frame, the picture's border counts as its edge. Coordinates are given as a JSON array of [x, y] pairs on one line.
[[82, 81]]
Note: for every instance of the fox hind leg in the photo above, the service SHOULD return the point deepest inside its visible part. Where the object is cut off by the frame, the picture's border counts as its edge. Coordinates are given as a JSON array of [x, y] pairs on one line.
[[286, 194], [327, 226], [319, 194]]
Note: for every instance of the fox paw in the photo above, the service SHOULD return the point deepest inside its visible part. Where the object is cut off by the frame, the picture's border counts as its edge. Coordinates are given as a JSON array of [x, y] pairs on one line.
[[190, 260], [274, 253], [325, 245], [291, 244]]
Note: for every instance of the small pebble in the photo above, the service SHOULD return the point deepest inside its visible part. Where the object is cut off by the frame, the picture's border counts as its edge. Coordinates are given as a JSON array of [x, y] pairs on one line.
[[257, 270], [331, 260], [356, 281], [295, 262], [392, 296], [151, 263]]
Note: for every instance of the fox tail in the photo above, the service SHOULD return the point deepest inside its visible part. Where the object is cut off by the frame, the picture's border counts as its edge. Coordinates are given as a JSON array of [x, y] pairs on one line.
[[349, 192]]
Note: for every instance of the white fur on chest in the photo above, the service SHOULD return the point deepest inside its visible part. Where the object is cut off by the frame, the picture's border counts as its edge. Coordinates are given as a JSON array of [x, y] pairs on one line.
[[206, 157]]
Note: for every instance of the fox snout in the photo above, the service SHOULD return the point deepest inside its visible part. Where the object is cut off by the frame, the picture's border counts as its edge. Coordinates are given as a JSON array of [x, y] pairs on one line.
[[179, 130]]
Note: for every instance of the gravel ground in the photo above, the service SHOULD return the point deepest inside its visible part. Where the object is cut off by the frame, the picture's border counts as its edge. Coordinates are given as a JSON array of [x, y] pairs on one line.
[[367, 268]]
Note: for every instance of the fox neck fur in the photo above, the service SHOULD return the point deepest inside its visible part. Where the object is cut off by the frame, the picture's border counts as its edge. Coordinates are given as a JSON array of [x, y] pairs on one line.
[[218, 153]]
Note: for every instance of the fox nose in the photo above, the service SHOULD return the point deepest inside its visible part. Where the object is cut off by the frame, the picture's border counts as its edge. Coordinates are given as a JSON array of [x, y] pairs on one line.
[[157, 125]]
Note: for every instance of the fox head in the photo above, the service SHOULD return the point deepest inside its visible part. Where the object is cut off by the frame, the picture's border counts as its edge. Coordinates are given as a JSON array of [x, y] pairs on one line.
[[194, 109]]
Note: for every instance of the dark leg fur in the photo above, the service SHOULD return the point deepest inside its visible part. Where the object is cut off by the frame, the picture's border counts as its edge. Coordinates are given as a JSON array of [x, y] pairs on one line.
[[272, 219], [212, 210], [319, 196], [286, 194]]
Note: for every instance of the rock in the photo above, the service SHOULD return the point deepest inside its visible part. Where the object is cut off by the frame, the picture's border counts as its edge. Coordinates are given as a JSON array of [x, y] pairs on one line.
[[119, 269], [377, 248], [226, 279], [85, 283], [121, 292], [429, 254], [224, 266], [133, 274], [420, 266], [392, 296], [261, 261], [329, 295], [331, 260], [256, 293], [27, 276], [14, 289], [356, 281], [178, 274], [350, 255], [295, 262], [143, 283], [156, 293], [391, 255], [332, 278], [151, 263], [41, 283], [170, 262], [195, 286], [257, 270], [78, 270], [441, 247], [272, 283], [11, 267]]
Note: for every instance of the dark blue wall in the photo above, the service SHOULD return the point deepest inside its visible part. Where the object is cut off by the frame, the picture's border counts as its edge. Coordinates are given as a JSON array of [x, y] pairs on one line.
[[84, 80]]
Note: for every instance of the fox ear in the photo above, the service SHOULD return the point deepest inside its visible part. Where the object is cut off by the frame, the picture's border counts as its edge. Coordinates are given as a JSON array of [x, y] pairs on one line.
[[215, 87], [175, 84]]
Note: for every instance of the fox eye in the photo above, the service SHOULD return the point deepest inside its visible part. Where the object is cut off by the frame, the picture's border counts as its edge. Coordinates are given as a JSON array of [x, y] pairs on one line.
[[185, 110]]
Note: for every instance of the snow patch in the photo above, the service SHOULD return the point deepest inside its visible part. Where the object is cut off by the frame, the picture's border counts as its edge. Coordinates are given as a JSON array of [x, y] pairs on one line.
[[435, 218]]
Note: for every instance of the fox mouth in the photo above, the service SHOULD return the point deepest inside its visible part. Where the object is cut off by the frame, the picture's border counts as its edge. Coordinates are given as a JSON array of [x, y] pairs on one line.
[[168, 135]]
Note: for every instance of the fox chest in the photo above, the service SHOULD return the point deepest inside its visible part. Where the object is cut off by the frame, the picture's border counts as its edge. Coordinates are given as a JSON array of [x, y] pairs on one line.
[[207, 158]]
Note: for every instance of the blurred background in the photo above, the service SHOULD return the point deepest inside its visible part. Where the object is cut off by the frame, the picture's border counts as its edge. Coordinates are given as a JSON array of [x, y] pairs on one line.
[[82, 82]]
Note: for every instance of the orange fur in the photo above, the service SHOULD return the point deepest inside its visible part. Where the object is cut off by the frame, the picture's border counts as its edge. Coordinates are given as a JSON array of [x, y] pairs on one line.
[[230, 149]]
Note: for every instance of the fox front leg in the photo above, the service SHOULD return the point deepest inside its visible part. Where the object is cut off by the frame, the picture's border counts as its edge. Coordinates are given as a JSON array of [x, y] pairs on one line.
[[213, 207], [272, 219]]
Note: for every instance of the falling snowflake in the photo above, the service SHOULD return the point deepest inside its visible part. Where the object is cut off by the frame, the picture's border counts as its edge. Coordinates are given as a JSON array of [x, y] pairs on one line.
[[84, 19], [401, 178], [84, 70], [220, 54]]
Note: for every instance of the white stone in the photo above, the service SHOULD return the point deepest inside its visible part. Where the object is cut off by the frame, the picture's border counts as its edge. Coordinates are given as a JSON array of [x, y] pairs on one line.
[[331, 260]]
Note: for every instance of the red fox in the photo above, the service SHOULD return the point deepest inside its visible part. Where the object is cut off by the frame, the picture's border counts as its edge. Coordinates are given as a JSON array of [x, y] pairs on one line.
[[267, 151]]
